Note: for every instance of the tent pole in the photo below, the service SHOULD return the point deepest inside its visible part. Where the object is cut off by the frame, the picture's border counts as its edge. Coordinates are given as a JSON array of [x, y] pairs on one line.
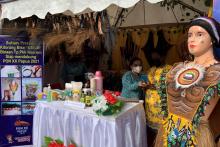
[[191, 7], [119, 16], [1, 20], [154, 25]]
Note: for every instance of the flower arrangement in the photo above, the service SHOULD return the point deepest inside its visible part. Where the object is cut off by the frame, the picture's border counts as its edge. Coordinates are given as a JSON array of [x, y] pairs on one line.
[[50, 142], [107, 104]]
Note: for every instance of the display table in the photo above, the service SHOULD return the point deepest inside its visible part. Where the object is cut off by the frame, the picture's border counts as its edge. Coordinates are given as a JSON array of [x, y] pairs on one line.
[[54, 119]]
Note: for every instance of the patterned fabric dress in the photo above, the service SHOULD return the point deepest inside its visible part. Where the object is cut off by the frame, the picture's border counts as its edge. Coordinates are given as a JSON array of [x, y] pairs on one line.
[[152, 98], [185, 92]]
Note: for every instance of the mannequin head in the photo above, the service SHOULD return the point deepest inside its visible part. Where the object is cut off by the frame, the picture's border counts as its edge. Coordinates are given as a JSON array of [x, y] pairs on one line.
[[204, 36]]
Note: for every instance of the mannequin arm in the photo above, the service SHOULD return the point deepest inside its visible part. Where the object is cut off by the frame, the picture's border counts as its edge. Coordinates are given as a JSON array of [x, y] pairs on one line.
[[210, 107]]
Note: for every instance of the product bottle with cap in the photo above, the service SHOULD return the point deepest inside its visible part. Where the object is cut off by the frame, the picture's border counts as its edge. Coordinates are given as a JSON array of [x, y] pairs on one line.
[[99, 82], [49, 96], [93, 85]]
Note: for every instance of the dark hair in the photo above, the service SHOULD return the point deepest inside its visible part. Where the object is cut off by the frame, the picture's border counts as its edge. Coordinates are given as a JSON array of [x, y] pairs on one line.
[[133, 60], [213, 28]]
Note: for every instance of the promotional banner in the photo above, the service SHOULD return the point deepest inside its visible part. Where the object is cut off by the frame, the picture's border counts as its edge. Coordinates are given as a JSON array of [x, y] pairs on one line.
[[216, 10], [21, 63]]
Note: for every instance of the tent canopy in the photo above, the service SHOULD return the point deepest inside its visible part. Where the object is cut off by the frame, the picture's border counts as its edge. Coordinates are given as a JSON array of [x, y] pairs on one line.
[[145, 13], [137, 12], [27, 8]]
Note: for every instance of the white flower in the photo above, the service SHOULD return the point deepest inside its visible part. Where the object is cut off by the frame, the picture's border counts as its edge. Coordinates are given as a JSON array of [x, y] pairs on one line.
[[99, 103]]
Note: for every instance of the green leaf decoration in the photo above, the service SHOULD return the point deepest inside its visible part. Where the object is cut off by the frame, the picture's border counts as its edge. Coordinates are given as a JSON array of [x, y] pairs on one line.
[[118, 104], [47, 140], [200, 111], [162, 93], [59, 141], [73, 142]]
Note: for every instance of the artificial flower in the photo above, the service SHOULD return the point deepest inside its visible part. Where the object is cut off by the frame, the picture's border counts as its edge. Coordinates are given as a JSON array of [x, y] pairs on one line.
[[117, 93], [50, 142], [55, 144], [107, 104], [110, 98], [99, 103]]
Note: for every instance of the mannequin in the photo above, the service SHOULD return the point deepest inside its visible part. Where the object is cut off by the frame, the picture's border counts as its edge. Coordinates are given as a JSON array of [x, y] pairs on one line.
[[190, 90]]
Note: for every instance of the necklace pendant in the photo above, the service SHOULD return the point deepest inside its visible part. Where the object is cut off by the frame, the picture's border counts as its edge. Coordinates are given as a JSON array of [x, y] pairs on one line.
[[189, 75], [183, 93]]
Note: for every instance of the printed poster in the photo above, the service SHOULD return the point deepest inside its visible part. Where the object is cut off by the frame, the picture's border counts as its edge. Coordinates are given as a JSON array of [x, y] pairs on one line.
[[21, 63]]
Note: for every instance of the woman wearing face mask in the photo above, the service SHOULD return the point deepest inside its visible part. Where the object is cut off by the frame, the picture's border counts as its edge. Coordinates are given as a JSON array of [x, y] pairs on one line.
[[133, 81], [190, 90]]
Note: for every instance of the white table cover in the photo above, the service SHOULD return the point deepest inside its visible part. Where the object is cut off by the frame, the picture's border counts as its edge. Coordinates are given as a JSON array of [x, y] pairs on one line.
[[127, 129]]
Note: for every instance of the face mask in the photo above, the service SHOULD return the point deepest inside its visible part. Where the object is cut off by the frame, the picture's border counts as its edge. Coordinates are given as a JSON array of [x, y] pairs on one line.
[[137, 69]]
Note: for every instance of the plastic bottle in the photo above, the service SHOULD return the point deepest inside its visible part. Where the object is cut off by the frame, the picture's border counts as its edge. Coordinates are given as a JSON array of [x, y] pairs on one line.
[[49, 96], [93, 85], [99, 82], [49, 87]]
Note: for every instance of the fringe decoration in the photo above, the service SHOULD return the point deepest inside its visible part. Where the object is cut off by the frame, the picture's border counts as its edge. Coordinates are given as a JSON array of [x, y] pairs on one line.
[[162, 92]]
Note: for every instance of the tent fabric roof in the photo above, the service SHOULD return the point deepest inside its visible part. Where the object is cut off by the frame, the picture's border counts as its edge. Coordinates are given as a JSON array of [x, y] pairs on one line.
[[27, 8]]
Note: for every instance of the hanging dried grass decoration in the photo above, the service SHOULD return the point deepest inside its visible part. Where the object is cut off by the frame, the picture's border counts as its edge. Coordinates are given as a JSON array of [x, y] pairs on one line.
[[73, 41]]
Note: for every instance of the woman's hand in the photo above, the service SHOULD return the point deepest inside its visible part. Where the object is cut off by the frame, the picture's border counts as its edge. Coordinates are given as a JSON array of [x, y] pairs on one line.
[[142, 84], [151, 86], [147, 85]]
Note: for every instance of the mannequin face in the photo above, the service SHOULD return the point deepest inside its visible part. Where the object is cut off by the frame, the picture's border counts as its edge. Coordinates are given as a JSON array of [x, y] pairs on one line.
[[199, 41], [136, 67]]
